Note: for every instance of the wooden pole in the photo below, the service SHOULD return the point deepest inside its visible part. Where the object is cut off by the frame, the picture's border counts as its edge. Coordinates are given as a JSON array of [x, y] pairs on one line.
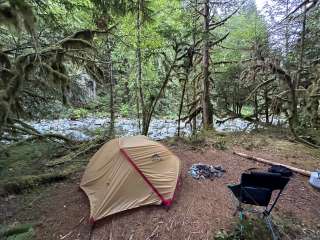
[[297, 170]]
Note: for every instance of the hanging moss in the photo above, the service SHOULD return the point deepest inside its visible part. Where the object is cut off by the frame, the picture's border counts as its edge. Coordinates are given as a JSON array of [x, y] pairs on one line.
[[74, 43], [17, 13], [4, 61], [86, 35]]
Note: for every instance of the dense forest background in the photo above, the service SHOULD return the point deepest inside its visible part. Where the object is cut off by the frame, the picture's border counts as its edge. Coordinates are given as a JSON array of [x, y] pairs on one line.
[[200, 62]]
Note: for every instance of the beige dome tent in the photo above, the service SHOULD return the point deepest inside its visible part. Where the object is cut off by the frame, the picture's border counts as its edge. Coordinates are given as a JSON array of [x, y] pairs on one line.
[[129, 172]]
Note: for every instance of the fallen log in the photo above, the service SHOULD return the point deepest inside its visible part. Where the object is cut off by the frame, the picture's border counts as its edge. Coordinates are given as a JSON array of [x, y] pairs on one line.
[[17, 185], [297, 170]]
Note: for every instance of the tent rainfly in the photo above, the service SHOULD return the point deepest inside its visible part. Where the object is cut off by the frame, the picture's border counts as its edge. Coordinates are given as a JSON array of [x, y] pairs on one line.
[[129, 172]]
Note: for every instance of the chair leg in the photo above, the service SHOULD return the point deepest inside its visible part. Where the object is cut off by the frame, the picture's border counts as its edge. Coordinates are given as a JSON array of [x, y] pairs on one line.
[[241, 216], [274, 203], [270, 226]]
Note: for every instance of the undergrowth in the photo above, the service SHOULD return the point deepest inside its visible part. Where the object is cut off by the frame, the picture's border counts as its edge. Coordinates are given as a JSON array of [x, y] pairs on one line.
[[27, 165], [28, 158], [254, 228], [17, 232], [203, 139]]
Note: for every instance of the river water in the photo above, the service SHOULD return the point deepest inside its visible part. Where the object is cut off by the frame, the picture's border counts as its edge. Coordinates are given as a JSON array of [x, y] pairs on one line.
[[88, 128]]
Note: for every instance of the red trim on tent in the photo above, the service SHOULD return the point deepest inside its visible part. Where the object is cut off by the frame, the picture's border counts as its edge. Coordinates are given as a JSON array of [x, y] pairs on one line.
[[91, 221], [164, 202]]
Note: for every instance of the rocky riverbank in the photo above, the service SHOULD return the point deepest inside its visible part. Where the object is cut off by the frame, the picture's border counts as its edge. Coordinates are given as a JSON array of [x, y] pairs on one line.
[[87, 128]]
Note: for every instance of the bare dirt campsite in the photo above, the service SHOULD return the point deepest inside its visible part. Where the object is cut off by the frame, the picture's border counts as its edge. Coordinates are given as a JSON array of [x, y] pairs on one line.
[[201, 209]]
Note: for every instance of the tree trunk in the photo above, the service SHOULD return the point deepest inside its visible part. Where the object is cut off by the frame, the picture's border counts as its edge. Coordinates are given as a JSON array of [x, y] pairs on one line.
[[149, 112], [138, 108], [194, 81], [139, 68], [126, 99], [303, 34], [111, 81], [194, 97], [206, 104], [266, 104], [293, 119], [181, 102], [266, 100], [256, 107], [287, 35]]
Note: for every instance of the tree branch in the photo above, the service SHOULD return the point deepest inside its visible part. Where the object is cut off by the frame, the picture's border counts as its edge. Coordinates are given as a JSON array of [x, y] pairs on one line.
[[220, 23], [219, 40]]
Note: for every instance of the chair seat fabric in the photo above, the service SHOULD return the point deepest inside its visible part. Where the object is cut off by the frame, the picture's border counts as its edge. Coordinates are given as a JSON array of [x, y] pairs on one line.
[[252, 195]]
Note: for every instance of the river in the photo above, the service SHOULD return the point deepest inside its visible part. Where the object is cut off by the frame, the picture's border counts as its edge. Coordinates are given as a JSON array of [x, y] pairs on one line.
[[87, 128]]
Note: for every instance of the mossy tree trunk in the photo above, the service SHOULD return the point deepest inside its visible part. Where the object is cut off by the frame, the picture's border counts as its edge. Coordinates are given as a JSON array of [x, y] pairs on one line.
[[207, 114]]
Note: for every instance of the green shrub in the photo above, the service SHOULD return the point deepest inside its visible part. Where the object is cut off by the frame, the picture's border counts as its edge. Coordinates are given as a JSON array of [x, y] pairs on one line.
[[252, 228], [79, 113], [247, 110], [124, 110], [17, 232]]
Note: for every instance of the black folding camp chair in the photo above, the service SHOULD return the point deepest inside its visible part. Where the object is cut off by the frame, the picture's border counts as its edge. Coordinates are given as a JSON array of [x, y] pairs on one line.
[[256, 188]]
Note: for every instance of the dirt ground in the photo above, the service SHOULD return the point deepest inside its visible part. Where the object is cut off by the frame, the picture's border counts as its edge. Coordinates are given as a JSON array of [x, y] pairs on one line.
[[201, 208]]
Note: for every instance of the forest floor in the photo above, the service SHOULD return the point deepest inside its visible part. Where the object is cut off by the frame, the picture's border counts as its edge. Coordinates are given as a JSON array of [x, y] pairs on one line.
[[202, 209]]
